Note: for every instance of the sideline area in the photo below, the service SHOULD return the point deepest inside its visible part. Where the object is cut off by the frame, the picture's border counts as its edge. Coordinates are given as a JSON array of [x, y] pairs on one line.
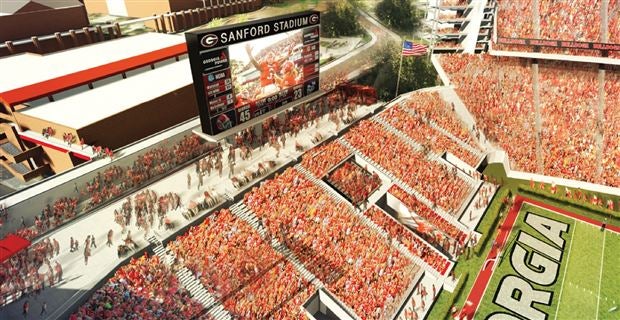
[[499, 249]]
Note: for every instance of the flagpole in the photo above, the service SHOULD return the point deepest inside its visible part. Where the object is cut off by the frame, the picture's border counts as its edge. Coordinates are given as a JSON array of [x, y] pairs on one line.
[[399, 69], [433, 33]]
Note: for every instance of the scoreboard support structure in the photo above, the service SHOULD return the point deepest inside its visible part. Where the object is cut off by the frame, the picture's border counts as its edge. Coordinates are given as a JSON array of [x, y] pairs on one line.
[[224, 134]]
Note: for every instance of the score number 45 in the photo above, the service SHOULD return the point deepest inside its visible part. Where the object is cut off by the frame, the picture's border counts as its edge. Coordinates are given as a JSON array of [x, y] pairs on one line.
[[244, 115]]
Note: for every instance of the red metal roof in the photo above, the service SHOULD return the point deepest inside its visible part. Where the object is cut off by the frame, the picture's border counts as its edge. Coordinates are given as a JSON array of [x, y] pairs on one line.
[[76, 79]]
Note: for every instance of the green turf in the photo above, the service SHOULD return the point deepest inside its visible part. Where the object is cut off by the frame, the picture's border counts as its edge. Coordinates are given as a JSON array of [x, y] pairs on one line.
[[586, 253], [497, 172], [467, 267], [610, 288], [580, 287], [487, 307], [576, 291]]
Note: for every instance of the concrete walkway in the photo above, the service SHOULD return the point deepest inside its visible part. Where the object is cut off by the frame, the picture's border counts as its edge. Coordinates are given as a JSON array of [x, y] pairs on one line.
[[473, 28], [78, 278]]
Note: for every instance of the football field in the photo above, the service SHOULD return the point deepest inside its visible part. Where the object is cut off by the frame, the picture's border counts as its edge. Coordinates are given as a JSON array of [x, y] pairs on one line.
[[553, 266]]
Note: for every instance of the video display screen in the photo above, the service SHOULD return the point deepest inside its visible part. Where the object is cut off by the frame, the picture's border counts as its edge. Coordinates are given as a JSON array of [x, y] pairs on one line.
[[244, 71]]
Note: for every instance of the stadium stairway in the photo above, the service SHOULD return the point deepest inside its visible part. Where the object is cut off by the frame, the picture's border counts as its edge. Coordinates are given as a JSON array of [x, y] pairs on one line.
[[401, 247], [368, 222], [244, 213], [386, 173], [465, 145], [412, 143], [319, 183], [189, 281], [447, 133], [433, 157]]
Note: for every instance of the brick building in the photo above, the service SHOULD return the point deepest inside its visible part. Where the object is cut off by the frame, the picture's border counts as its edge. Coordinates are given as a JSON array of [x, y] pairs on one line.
[[141, 8], [22, 19]]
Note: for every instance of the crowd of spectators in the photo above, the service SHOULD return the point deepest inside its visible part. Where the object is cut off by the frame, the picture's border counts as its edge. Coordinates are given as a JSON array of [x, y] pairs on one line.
[[493, 88], [51, 216], [435, 181], [450, 3], [319, 160], [450, 30], [113, 181], [414, 244], [417, 128], [240, 268], [499, 94], [20, 275], [436, 222], [362, 269], [356, 183], [450, 16], [278, 294], [145, 288], [146, 207], [568, 20], [569, 100], [330, 81], [611, 129], [431, 107], [447, 44]]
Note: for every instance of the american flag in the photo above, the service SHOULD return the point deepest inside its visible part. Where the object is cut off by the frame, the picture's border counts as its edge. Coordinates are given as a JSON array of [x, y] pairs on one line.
[[413, 49]]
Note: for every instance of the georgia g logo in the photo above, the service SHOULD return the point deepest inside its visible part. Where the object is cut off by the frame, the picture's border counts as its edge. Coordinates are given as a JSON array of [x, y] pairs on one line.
[[314, 18], [209, 40]]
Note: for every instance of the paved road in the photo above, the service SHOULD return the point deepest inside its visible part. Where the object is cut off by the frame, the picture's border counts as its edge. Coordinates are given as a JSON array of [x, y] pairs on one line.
[[364, 57]]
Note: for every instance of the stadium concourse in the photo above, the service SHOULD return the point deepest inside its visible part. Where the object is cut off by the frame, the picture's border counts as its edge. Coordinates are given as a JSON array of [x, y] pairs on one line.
[[294, 234]]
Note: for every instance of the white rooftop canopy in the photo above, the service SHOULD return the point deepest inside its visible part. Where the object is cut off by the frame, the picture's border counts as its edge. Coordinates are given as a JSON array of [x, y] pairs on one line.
[[28, 68], [87, 107]]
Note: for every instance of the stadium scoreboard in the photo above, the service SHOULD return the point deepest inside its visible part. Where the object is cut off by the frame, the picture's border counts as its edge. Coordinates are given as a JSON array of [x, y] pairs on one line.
[[245, 70]]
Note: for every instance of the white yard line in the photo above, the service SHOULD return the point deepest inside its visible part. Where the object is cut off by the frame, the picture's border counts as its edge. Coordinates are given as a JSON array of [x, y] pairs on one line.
[[600, 276], [570, 247]]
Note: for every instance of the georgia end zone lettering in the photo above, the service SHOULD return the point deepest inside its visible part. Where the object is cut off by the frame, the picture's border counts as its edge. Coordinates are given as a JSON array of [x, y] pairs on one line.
[[535, 261]]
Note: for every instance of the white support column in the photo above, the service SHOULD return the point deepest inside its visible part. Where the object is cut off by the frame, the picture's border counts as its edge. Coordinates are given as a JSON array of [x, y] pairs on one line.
[[600, 122], [604, 21], [538, 119], [600, 111], [536, 18]]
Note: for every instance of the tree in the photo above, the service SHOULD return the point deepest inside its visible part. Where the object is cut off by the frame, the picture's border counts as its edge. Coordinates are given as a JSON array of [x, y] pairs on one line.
[[340, 20], [416, 73], [399, 14]]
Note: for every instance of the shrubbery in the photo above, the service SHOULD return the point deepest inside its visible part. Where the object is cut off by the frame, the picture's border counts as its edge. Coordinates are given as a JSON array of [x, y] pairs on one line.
[[340, 20], [401, 15]]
